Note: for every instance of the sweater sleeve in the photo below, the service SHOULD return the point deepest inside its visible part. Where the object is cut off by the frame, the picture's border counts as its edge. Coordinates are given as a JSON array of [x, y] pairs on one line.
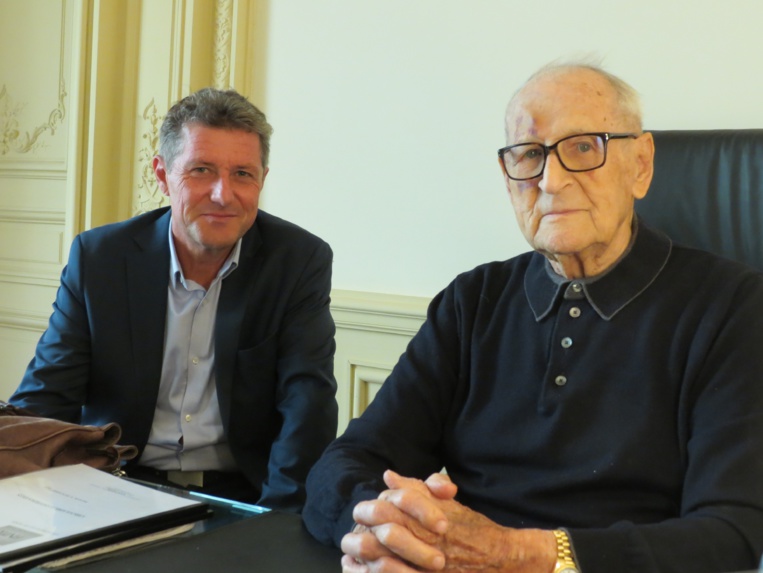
[[400, 430], [712, 523], [719, 521]]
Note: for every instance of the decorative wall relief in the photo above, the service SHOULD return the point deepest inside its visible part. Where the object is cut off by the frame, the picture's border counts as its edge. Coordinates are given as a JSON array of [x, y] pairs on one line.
[[13, 137], [149, 196], [223, 35]]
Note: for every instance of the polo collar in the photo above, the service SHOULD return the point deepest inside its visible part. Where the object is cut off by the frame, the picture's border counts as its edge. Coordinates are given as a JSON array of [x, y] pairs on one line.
[[609, 292]]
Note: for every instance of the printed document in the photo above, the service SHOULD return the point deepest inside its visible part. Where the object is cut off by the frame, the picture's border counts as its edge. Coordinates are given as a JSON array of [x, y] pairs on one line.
[[68, 501]]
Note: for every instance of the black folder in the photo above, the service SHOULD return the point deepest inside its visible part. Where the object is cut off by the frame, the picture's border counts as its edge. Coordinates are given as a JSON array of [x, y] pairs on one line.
[[75, 509], [28, 557]]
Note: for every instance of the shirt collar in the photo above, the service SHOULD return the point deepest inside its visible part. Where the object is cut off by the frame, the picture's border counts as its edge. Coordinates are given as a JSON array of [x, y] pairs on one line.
[[176, 271], [609, 292]]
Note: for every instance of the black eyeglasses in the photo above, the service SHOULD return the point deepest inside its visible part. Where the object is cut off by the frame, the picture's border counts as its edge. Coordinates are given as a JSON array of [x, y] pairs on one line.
[[580, 152]]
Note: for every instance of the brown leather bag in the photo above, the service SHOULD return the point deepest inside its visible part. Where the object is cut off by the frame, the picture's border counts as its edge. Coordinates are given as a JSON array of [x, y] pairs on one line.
[[29, 443]]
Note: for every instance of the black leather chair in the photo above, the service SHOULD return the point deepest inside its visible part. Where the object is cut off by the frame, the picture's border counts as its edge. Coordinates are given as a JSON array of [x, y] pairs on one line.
[[707, 191]]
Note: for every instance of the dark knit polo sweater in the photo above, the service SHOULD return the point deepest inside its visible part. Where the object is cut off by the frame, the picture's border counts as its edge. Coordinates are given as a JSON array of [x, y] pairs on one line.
[[627, 409]]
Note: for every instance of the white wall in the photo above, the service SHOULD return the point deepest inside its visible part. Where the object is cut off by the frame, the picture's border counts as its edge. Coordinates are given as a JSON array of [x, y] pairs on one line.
[[388, 113]]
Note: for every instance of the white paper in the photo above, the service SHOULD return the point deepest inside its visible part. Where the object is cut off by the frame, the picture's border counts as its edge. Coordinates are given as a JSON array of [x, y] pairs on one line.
[[143, 539], [60, 502]]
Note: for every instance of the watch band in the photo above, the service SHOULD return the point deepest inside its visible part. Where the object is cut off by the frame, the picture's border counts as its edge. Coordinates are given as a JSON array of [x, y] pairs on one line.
[[565, 563]]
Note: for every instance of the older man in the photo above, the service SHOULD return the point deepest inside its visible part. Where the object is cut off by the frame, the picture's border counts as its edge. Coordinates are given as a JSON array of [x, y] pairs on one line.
[[596, 403], [203, 328]]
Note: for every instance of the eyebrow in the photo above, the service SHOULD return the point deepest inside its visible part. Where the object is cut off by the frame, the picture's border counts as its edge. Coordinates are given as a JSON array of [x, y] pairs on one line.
[[240, 167], [569, 134]]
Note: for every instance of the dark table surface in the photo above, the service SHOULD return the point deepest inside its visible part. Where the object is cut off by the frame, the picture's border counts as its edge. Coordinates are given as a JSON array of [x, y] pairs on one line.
[[237, 537], [267, 543]]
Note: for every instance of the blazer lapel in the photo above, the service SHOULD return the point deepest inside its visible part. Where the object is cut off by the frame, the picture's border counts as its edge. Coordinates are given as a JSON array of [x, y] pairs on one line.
[[231, 310], [148, 268]]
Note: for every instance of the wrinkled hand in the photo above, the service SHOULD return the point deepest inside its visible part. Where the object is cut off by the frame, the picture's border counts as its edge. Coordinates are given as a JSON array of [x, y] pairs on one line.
[[418, 526], [384, 539]]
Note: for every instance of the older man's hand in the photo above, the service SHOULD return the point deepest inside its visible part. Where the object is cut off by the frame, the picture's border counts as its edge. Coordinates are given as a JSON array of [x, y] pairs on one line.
[[398, 531], [418, 526]]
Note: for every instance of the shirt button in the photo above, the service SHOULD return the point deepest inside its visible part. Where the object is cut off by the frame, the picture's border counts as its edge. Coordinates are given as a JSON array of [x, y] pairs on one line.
[[566, 342], [195, 360], [574, 312], [187, 417], [577, 287], [560, 380]]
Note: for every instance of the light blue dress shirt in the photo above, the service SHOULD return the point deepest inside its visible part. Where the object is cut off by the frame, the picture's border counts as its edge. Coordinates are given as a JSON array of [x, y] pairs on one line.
[[187, 432]]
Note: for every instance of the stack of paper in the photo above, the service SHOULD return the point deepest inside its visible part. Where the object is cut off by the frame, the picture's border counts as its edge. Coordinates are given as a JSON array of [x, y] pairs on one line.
[[61, 511]]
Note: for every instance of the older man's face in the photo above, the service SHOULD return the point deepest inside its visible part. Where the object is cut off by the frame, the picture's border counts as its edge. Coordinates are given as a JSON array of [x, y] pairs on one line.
[[588, 214]]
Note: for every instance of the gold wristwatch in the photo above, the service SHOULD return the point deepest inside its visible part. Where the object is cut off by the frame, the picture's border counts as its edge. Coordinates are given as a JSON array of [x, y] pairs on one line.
[[565, 563]]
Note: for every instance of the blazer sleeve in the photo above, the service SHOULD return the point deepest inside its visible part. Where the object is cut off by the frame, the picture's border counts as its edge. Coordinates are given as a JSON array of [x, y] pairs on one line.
[[306, 388], [56, 380]]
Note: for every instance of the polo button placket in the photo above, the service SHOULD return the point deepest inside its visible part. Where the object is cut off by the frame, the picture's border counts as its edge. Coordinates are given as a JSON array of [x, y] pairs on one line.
[[562, 358]]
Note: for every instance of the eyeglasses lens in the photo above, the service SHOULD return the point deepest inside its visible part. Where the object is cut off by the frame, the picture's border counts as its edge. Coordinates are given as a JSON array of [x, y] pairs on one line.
[[576, 153]]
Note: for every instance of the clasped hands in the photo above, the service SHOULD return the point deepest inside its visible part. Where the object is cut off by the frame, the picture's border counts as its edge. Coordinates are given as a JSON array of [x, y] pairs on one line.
[[419, 526]]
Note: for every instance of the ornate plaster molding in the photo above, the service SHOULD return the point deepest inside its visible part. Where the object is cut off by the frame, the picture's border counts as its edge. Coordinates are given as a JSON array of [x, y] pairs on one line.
[[32, 216], [13, 319], [13, 137], [380, 313], [223, 36], [149, 196]]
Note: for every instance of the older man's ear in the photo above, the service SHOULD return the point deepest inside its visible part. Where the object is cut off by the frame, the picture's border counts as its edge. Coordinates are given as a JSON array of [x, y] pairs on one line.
[[645, 164]]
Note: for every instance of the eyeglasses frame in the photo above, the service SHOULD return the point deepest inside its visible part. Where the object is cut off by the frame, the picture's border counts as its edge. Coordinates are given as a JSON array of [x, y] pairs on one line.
[[547, 149]]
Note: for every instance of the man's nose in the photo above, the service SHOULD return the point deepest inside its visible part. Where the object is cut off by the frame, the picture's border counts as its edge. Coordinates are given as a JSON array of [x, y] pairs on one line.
[[221, 189], [554, 175]]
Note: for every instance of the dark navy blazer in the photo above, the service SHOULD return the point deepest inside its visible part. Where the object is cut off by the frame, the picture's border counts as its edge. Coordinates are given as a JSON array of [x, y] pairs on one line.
[[100, 359]]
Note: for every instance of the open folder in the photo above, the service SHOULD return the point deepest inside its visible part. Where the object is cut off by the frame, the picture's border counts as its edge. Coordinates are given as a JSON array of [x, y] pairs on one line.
[[52, 513]]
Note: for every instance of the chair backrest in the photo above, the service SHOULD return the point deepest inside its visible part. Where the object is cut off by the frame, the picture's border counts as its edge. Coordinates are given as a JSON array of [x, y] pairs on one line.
[[707, 191]]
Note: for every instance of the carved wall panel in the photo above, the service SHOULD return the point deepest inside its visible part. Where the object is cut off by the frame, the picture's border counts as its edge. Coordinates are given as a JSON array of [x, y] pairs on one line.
[[33, 106], [36, 47], [366, 380], [15, 342], [149, 195], [223, 38], [372, 332]]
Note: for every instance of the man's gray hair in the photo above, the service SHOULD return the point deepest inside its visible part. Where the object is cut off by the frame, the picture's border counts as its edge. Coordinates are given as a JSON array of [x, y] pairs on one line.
[[210, 107], [628, 99]]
